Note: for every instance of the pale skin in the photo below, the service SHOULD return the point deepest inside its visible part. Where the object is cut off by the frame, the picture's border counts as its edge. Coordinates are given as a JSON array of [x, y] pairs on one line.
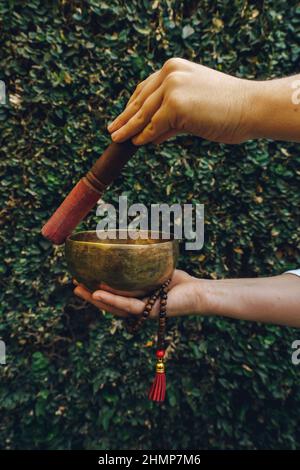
[[183, 97]]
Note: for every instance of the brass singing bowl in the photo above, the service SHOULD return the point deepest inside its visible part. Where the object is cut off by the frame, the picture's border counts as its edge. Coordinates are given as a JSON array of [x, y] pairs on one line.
[[130, 267]]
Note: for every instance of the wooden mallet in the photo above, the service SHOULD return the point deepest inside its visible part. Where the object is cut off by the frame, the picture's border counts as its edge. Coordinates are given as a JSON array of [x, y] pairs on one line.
[[87, 192]]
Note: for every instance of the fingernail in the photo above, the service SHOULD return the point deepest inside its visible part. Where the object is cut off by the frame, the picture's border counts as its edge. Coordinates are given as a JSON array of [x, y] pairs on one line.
[[75, 282], [115, 136], [97, 295], [77, 293], [111, 126], [136, 141]]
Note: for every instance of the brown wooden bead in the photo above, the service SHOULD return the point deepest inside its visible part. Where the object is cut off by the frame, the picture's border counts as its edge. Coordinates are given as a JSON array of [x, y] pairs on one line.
[[134, 323]]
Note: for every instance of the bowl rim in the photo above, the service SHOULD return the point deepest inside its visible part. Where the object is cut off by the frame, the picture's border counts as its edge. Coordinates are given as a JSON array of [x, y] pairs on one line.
[[118, 245]]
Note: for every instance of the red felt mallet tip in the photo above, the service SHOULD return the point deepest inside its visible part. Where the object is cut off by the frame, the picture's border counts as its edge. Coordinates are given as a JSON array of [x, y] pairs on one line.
[[74, 208]]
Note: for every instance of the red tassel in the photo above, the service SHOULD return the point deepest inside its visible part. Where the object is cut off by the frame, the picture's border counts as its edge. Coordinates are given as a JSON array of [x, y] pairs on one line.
[[158, 389]]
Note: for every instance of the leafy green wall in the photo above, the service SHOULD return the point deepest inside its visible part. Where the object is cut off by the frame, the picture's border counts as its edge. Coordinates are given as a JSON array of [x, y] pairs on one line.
[[75, 378]]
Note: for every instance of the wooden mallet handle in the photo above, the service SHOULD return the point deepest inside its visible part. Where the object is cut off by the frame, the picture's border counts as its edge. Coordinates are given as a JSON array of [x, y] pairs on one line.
[[110, 164]]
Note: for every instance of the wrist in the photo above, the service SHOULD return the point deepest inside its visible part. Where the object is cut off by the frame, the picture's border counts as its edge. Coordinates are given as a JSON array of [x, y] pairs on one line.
[[271, 110], [206, 297], [220, 297], [247, 107], [254, 108], [259, 108]]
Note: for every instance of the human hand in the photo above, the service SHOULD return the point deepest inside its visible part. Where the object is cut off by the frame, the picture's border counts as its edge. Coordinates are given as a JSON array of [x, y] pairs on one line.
[[186, 295], [183, 97], [271, 299]]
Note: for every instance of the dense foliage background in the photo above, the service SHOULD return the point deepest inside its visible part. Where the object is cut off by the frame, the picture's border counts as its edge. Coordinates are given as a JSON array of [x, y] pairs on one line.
[[74, 378]]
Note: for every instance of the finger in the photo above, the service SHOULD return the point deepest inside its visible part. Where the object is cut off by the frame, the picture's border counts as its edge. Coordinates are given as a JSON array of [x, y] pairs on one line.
[[155, 309], [129, 305], [124, 117], [140, 120], [126, 304], [143, 85], [133, 293], [136, 102], [107, 288], [158, 125], [165, 136], [84, 294]]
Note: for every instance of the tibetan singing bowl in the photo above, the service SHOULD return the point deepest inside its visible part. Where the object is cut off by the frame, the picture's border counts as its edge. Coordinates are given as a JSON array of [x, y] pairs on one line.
[[132, 267]]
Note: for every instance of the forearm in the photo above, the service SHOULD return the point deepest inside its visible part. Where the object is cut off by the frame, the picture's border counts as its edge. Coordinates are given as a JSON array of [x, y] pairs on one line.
[[274, 109], [271, 300]]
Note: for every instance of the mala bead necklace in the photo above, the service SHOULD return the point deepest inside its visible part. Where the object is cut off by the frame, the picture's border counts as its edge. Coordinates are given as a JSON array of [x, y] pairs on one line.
[[158, 389]]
